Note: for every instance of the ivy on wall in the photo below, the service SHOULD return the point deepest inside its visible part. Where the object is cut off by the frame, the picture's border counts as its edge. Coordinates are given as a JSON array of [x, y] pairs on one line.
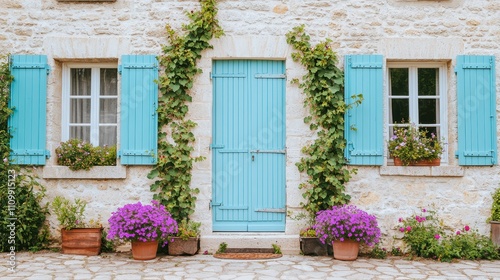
[[175, 138], [323, 86]]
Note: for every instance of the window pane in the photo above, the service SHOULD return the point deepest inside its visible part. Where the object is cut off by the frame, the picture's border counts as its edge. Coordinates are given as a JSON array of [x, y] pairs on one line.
[[107, 110], [79, 111], [80, 81], [108, 81], [107, 135], [427, 81], [399, 81], [400, 112], [428, 110], [80, 132], [431, 131]]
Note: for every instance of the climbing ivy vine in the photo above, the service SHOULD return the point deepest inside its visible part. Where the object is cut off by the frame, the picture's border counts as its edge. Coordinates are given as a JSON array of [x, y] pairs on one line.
[[323, 86], [175, 136]]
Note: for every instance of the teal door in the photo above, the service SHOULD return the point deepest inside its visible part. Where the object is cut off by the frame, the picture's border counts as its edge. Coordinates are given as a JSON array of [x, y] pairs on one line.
[[248, 145]]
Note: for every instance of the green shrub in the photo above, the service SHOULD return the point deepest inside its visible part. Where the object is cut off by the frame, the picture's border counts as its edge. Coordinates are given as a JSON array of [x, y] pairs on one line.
[[79, 155], [30, 230], [426, 237]]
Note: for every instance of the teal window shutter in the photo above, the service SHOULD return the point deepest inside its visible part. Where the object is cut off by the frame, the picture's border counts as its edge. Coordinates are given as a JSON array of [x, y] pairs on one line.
[[364, 123], [28, 99], [138, 117], [476, 101]]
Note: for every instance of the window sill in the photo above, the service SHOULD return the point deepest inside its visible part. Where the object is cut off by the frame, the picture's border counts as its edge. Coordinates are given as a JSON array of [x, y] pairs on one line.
[[96, 172], [428, 171]]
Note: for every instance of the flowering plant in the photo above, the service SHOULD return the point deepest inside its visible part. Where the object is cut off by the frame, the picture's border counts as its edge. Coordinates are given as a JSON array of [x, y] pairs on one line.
[[137, 222], [427, 237], [79, 155], [347, 222], [410, 144]]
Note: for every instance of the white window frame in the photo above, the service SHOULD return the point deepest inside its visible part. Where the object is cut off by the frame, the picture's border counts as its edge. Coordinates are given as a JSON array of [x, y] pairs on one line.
[[413, 98], [94, 99]]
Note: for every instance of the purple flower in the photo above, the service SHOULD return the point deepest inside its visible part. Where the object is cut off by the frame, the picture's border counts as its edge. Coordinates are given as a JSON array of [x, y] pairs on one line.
[[347, 222], [437, 236], [142, 222], [466, 228], [402, 229], [408, 228], [458, 232]]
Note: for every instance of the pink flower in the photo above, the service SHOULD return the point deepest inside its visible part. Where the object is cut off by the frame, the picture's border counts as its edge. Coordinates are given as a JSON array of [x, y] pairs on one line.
[[402, 229], [408, 228], [458, 232], [400, 220], [467, 228], [437, 236], [423, 210]]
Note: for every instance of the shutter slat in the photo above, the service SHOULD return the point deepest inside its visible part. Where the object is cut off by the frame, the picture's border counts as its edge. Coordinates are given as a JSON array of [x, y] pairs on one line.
[[476, 99], [139, 118], [28, 98], [364, 123]]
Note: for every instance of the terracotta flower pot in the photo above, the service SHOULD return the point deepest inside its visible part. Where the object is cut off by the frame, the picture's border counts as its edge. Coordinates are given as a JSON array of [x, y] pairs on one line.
[[81, 241], [346, 250], [144, 250]]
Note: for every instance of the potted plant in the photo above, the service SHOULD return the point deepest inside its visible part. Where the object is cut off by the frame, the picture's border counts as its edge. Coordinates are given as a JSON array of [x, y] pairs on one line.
[[494, 219], [77, 236], [187, 239], [144, 226], [310, 243], [346, 227], [410, 145]]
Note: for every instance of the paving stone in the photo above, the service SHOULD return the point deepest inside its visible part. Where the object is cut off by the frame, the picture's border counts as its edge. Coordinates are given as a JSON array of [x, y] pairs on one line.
[[46, 265]]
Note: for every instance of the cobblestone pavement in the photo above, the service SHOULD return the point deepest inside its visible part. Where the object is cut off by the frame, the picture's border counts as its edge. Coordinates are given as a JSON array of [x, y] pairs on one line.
[[49, 265]]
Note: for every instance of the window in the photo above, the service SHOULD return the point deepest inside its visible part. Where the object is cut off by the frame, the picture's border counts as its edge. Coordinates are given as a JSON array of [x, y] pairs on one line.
[[417, 94], [90, 101]]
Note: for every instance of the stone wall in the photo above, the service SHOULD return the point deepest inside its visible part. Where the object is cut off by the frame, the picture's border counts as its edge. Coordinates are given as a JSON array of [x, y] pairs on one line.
[[397, 29]]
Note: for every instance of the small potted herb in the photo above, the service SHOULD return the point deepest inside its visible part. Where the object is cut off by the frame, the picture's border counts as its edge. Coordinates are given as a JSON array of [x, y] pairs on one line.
[[77, 236], [144, 226], [310, 243], [410, 145], [187, 239], [346, 226]]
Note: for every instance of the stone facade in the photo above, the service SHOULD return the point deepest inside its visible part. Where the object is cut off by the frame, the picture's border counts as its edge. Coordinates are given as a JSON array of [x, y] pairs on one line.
[[397, 29]]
